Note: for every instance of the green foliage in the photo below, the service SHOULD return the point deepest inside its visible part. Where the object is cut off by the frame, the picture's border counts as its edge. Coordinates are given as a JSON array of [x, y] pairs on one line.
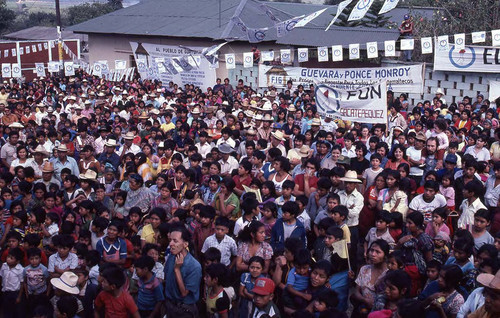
[[83, 12], [6, 17]]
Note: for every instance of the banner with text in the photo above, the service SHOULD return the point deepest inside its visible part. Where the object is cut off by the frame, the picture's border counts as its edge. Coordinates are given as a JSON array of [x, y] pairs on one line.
[[367, 104], [403, 79], [181, 66], [468, 59]]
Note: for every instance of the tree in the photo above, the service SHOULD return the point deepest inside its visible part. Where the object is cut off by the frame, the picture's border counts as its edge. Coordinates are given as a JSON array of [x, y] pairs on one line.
[[83, 12], [6, 17]]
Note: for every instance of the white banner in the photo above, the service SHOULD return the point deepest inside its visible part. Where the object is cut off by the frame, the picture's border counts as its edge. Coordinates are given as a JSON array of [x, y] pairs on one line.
[[257, 35], [337, 53], [478, 37], [323, 54], [360, 9], [494, 90], [354, 51], [443, 44], [97, 69], [104, 67], [367, 104], [283, 28], [68, 69], [53, 66], [372, 50], [470, 59], [390, 48], [230, 61], [247, 59], [340, 7], [495, 37], [6, 70], [40, 69], [407, 44], [309, 18], [16, 70], [303, 54], [286, 56], [459, 40], [426, 44], [402, 79], [388, 6], [203, 76], [120, 64], [267, 56]]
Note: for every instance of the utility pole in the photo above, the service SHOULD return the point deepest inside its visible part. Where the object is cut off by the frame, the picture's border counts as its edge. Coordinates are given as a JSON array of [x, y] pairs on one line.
[[59, 38]]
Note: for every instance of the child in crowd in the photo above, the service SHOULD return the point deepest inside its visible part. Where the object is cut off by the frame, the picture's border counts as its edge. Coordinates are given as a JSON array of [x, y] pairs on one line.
[[217, 298], [269, 217], [247, 283], [114, 300], [380, 231], [286, 191], [150, 295], [220, 240], [63, 260], [395, 261], [339, 215], [332, 201], [432, 271], [296, 294], [35, 277], [438, 223], [446, 188], [11, 275], [482, 220], [441, 250]]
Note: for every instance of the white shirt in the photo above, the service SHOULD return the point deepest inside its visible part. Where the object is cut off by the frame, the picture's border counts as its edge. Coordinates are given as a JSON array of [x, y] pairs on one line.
[[426, 208], [11, 277], [204, 149], [473, 302], [227, 247], [415, 155], [354, 202], [228, 166], [482, 155], [133, 149], [305, 219], [466, 219], [351, 153]]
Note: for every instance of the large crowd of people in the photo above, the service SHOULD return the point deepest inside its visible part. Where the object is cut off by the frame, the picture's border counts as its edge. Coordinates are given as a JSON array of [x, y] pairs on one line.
[[146, 199]]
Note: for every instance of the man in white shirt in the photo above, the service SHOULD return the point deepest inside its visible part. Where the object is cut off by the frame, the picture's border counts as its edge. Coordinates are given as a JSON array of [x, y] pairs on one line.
[[415, 158], [428, 201], [203, 146], [228, 163]]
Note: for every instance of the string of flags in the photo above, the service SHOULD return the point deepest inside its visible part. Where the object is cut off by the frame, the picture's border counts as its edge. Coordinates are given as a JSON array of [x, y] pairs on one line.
[[427, 45], [34, 48]]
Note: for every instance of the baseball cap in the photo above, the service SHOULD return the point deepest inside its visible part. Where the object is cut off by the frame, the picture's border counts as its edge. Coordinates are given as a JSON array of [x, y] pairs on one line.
[[263, 286], [451, 158]]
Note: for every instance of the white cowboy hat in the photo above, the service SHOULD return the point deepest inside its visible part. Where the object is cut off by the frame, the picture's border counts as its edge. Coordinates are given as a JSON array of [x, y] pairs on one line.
[[351, 176], [155, 112], [225, 148], [16, 125], [248, 113], [316, 122], [304, 151], [89, 175], [62, 148], [251, 131], [267, 107], [68, 282], [195, 111], [41, 149], [439, 91], [267, 117], [129, 136], [278, 135], [110, 143]]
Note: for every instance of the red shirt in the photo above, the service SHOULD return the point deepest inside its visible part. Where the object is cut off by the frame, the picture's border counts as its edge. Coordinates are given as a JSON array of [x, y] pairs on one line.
[[239, 183], [116, 307], [299, 180]]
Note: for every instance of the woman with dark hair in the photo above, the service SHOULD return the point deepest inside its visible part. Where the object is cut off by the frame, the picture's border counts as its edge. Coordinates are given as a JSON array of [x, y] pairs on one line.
[[442, 294], [369, 211], [128, 157], [281, 167], [398, 157], [150, 232], [143, 168], [252, 243], [152, 159], [417, 249], [138, 195], [226, 203], [370, 279], [189, 184], [87, 160], [22, 159]]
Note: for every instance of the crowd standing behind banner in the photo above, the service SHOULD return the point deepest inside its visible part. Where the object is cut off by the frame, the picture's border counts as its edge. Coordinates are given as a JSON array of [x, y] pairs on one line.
[[143, 198]]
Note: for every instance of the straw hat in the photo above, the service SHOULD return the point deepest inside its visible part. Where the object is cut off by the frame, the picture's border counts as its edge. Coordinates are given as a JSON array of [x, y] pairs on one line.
[[278, 135], [68, 282], [72, 98], [304, 151], [155, 112], [48, 167], [351, 176], [62, 148], [258, 117], [41, 149], [110, 143], [78, 107], [101, 94], [248, 113], [225, 103], [251, 131], [89, 175], [420, 136], [490, 280], [316, 122], [129, 136], [195, 111], [144, 116], [292, 108], [267, 117], [267, 107], [16, 125]]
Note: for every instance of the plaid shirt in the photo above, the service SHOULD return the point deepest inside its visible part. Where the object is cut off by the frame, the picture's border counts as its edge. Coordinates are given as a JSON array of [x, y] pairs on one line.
[[227, 247]]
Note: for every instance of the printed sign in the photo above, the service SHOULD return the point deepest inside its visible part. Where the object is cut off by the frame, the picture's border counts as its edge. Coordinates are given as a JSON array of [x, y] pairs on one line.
[[469, 59], [407, 78]]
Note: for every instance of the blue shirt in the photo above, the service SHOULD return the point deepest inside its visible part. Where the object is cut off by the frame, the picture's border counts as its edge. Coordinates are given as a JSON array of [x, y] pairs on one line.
[[70, 163], [191, 275], [297, 281], [467, 267], [150, 293]]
